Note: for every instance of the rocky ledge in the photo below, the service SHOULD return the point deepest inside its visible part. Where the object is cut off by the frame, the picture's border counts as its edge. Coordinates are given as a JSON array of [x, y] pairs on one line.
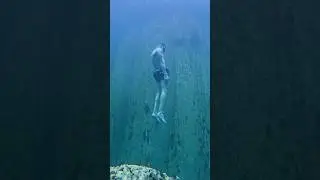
[[135, 172]]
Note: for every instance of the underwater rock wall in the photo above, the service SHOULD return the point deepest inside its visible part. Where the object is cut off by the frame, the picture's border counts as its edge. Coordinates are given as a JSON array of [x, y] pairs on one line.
[[189, 143]]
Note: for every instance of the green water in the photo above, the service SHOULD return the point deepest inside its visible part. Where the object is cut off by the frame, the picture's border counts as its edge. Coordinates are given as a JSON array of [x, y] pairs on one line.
[[182, 146]]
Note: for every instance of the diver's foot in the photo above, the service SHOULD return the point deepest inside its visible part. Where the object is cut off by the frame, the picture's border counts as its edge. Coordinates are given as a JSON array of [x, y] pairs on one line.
[[154, 115], [161, 117]]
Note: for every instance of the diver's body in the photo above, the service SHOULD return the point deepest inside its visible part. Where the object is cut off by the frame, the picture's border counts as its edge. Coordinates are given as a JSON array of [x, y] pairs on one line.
[[161, 75]]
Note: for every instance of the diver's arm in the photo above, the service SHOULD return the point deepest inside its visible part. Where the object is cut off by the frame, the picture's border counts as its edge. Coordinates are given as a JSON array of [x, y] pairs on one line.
[[164, 68]]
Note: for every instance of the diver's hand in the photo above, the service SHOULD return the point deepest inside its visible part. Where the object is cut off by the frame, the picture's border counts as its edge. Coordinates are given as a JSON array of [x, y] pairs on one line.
[[166, 77]]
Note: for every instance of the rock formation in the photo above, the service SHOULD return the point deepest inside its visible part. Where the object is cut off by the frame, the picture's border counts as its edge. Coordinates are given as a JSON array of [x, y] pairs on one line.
[[135, 172]]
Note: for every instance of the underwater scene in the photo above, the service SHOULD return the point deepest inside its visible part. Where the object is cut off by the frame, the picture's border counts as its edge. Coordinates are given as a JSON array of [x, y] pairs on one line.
[[160, 89]]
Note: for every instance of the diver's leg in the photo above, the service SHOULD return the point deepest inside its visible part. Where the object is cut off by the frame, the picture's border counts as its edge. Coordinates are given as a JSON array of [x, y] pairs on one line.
[[156, 102], [163, 96]]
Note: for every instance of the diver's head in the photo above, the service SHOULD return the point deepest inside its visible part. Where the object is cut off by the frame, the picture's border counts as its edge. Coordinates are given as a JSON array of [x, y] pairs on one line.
[[163, 47]]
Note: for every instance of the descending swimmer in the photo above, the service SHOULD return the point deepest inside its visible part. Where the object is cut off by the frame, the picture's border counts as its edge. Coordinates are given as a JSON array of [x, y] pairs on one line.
[[161, 75]]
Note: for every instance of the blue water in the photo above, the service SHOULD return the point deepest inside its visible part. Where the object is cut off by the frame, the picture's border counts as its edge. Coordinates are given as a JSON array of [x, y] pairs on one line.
[[181, 147]]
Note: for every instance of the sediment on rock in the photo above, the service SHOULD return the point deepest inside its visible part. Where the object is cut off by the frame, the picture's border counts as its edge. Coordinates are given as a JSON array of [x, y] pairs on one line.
[[136, 172]]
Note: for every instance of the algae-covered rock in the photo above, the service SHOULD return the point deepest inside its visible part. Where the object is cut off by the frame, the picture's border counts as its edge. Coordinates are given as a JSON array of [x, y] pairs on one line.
[[135, 172]]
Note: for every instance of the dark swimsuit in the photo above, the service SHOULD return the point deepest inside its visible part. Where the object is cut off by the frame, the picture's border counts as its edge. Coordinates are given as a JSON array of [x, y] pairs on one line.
[[159, 75]]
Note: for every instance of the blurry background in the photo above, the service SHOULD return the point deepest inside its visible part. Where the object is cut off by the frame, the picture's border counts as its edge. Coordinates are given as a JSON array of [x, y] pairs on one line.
[[180, 147]]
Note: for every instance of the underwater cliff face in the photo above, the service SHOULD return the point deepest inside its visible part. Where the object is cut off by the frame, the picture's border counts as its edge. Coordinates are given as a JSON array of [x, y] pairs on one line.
[[181, 147]]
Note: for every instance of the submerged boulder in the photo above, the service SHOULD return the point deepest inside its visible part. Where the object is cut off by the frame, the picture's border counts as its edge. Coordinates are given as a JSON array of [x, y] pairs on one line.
[[135, 172]]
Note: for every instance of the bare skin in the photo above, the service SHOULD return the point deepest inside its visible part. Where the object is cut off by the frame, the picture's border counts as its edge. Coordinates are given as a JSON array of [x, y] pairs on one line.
[[161, 94]]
